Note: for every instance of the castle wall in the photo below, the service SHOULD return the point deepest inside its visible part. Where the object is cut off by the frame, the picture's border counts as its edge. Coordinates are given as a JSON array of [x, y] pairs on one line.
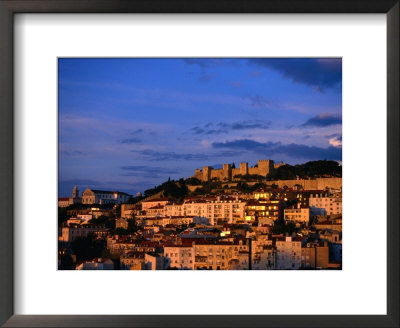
[[207, 171], [317, 184], [244, 168], [264, 167], [235, 172], [219, 174], [253, 170], [198, 175]]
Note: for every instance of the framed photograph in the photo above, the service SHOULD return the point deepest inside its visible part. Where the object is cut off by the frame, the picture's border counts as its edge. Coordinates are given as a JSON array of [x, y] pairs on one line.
[[199, 164]]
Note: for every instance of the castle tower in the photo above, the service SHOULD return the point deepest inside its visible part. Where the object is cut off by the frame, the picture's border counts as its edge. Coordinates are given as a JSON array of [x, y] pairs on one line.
[[244, 168], [265, 166], [75, 192], [207, 173], [227, 172]]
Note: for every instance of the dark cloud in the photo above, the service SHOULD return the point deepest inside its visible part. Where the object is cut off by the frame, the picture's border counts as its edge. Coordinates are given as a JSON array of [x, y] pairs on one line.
[[207, 130], [71, 152], [322, 120], [137, 131], [169, 156], [252, 124], [222, 127], [198, 130], [130, 140], [319, 73], [205, 64], [258, 101], [273, 148]]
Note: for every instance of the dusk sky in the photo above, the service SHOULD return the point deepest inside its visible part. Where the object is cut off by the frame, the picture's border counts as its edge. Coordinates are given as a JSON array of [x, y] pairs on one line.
[[130, 124]]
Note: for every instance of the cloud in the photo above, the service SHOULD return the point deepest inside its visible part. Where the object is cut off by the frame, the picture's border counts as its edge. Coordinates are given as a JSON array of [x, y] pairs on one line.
[[318, 73], [258, 101], [273, 148], [322, 120], [206, 64], [130, 140], [222, 127], [137, 131], [72, 152], [251, 124], [169, 156], [198, 130], [335, 140]]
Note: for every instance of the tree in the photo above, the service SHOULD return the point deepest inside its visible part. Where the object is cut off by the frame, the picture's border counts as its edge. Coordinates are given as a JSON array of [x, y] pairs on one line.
[[280, 227], [87, 248], [118, 211], [193, 181], [62, 215], [132, 226], [233, 165]]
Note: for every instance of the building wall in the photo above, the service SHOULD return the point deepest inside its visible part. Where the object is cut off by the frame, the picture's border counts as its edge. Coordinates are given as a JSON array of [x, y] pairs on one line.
[[217, 256], [315, 256], [288, 256], [180, 257], [315, 184], [331, 205], [297, 214], [69, 234]]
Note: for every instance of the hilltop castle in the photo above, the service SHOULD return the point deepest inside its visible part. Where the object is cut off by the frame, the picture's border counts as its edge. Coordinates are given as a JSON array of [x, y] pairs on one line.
[[264, 166]]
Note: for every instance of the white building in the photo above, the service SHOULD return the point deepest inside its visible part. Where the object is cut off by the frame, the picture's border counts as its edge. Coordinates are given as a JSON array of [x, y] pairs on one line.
[[326, 205], [96, 264], [70, 233], [297, 214], [91, 196], [227, 209], [288, 253], [179, 256]]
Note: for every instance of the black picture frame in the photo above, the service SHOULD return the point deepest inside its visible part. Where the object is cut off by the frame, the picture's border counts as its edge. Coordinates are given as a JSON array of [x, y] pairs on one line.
[[10, 7]]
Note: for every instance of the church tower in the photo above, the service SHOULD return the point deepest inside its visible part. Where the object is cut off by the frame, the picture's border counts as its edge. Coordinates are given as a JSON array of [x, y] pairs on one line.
[[75, 192]]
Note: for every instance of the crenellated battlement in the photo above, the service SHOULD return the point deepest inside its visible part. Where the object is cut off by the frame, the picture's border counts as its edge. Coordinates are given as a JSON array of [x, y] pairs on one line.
[[263, 168]]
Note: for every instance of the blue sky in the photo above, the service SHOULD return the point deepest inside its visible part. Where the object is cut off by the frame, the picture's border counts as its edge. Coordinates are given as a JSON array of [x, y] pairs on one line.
[[129, 124]]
